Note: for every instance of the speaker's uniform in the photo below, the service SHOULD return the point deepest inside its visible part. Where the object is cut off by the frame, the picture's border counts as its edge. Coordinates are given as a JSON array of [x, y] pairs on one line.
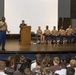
[[3, 33]]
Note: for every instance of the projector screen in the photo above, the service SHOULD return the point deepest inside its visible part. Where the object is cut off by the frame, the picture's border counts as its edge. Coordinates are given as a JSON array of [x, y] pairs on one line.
[[34, 12]]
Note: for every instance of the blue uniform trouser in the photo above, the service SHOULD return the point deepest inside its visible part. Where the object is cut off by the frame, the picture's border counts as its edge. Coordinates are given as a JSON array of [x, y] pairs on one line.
[[69, 38], [53, 37], [61, 38], [46, 38], [74, 38], [2, 38]]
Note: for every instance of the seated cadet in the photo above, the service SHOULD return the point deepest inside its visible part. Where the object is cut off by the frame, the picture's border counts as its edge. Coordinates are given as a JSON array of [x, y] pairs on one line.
[[69, 33], [61, 34], [54, 34], [46, 34], [39, 34], [74, 40]]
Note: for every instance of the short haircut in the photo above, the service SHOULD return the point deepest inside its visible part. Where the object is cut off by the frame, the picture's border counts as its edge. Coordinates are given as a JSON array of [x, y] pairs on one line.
[[70, 71], [47, 71], [73, 63], [56, 60], [2, 65]]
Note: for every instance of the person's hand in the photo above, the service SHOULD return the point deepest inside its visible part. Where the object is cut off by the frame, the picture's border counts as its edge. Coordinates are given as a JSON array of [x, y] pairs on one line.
[[8, 31]]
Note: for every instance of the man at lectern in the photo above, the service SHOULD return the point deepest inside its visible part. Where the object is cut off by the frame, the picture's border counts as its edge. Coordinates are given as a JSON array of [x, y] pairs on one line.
[[22, 24]]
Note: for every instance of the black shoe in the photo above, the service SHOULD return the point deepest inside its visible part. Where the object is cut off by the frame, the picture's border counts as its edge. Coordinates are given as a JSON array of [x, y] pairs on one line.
[[46, 42], [52, 42], [61, 42], [3, 49]]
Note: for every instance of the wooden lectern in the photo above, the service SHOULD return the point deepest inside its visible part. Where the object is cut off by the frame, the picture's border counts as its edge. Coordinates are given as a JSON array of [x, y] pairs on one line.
[[25, 35]]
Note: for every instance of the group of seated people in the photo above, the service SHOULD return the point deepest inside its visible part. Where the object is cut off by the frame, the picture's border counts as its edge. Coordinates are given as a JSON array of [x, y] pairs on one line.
[[19, 65], [69, 34]]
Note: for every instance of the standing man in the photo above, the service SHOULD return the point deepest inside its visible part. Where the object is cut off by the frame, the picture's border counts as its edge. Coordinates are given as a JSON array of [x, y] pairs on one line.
[[22, 24], [3, 29]]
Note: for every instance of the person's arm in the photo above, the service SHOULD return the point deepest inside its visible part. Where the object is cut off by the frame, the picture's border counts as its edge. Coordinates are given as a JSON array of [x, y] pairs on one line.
[[7, 28], [20, 26]]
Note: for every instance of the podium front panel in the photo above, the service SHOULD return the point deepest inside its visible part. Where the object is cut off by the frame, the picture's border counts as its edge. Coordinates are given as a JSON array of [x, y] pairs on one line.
[[25, 35]]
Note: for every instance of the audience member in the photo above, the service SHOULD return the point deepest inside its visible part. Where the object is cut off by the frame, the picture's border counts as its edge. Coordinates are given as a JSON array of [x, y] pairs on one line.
[[73, 63], [37, 63], [9, 69], [63, 69], [22, 70], [46, 71], [70, 71], [56, 65], [2, 68]]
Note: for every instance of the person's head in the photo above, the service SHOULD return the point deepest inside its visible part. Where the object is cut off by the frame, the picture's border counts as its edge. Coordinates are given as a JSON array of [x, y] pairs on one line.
[[68, 58], [22, 59], [47, 58], [73, 63], [7, 63], [12, 62], [61, 27], [56, 60], [27, 71], [38, 61], [24, 66], [47, 55], [10, 58], [44, 63], [39, 27], [17, 58], [54, 27], [23, 21], [70, 71], [38, 56], [47, 27], [70, 26], [47, 71], [3, 19], [2, 65], [63, 65]]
